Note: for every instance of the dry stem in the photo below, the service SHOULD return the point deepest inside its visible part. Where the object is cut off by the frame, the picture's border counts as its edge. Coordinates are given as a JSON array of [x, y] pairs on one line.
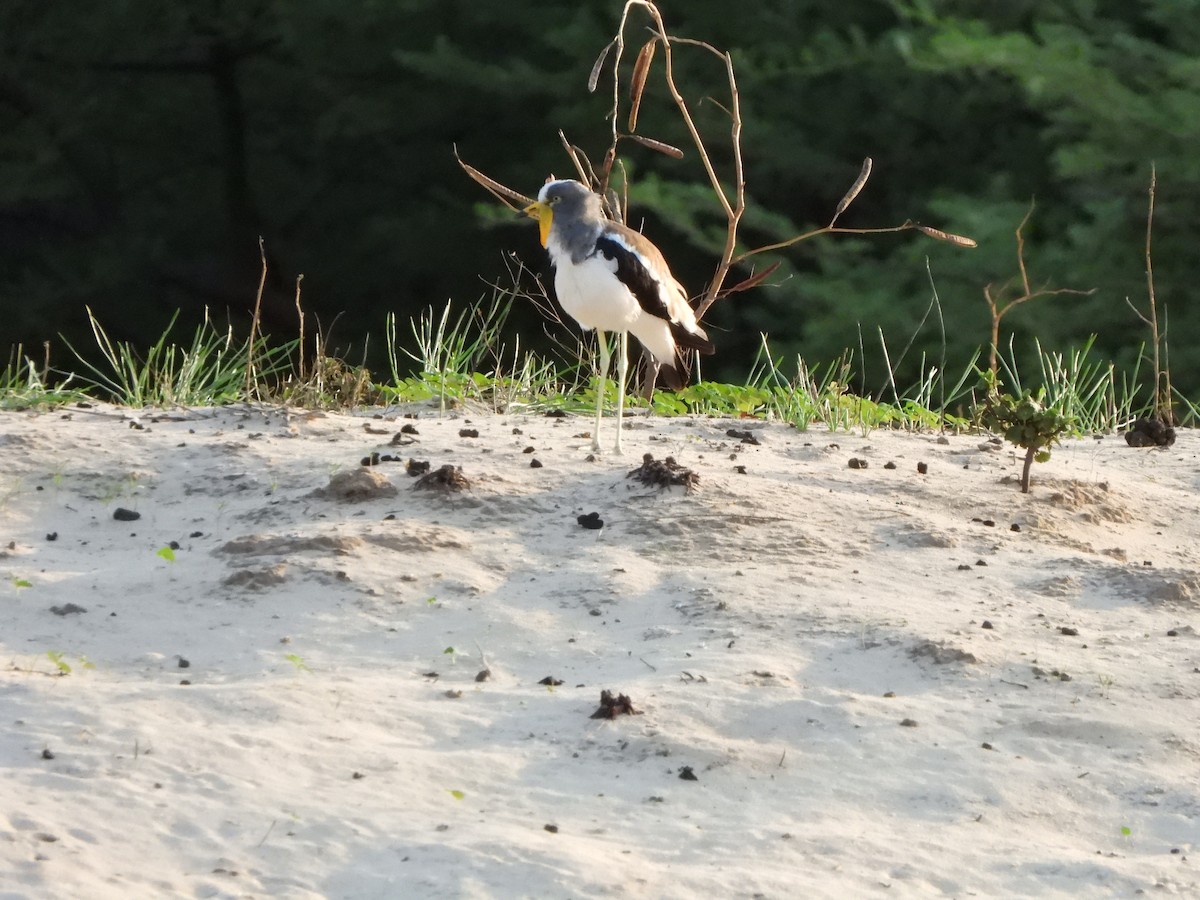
[[251, 377], [300, 315], [999, 311], [1162, 375]]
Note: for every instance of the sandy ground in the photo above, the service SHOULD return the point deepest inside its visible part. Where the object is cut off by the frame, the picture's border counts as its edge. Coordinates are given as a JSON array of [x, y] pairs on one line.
[[293, 676]]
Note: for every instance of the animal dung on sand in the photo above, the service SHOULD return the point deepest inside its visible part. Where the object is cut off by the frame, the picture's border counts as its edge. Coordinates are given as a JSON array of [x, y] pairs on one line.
[[448, 479], [611, 707], [664, 473]]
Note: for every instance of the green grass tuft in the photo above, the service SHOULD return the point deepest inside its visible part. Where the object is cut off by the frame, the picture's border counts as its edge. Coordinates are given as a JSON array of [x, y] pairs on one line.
[[460, 357]]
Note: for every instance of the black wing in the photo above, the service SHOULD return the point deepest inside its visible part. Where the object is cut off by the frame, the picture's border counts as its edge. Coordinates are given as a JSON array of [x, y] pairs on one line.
[[632, 273]]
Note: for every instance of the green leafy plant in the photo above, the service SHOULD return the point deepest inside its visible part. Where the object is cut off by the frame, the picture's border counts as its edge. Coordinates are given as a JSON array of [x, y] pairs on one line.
[[56, 657], [1027, 422], [166, 553], [18, 582], [298, 661]]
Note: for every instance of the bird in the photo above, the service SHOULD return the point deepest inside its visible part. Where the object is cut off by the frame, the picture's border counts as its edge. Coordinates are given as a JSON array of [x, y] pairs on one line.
[[610, 278]]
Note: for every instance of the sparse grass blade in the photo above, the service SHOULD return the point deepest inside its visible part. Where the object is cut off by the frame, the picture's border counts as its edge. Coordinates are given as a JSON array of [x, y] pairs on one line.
[[451, 351], [23, 386], [210, 370], [1085, 390]]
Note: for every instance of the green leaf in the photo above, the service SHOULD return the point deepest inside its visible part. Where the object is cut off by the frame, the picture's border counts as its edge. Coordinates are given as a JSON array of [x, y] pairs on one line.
[[166, 553], [449, 651], [298, 661], [21, 582], [1126, 831], [457, 795]]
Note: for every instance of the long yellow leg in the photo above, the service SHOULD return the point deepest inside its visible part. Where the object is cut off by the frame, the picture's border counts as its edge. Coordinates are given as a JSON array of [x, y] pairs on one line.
[[622, 372], [601, 377]]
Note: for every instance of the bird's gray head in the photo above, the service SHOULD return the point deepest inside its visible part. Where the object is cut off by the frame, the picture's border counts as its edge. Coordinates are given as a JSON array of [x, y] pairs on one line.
[[571, 212], [569, 197]]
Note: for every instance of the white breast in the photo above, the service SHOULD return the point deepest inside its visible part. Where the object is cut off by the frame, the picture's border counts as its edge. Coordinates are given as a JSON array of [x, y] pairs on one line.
[[592, 295]]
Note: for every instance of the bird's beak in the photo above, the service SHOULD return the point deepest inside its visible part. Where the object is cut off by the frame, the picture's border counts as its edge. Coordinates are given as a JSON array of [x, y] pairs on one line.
[[544, 214]]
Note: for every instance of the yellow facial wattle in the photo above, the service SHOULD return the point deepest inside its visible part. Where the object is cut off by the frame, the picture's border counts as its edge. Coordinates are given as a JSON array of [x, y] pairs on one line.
[[544, 214]]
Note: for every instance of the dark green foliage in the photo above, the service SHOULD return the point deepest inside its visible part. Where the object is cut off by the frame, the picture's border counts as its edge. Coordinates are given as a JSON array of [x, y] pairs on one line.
[[145, 146]]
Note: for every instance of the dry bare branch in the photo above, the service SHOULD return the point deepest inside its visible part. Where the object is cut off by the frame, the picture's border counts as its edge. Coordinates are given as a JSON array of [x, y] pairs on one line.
[[753, 281], [583, 165], [1021, 246], [999, 308], [1163, 400], [493, 187], [252, 380], [300, 316]]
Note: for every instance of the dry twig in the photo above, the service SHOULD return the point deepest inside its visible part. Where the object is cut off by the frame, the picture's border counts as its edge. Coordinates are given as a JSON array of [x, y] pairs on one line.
[[999, 307], [251, 386], [1163, 401]]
